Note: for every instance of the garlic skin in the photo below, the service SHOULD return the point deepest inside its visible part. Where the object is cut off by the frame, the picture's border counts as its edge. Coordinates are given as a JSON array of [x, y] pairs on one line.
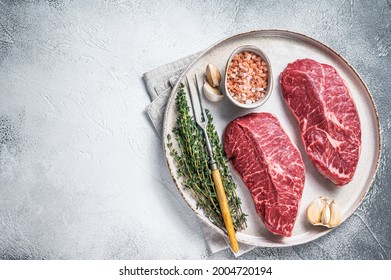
[[315, 209], [213, 75], [335, 217], [213, 94], [321, 213]]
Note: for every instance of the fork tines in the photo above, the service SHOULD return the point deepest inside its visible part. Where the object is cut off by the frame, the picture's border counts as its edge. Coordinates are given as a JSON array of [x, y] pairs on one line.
[[201, 120]]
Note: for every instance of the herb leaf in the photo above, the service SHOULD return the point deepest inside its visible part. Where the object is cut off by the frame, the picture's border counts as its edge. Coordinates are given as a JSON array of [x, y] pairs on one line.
[[193, 165]]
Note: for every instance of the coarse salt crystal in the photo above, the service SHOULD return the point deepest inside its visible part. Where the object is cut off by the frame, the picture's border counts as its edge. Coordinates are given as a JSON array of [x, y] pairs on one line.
[[247, 77]]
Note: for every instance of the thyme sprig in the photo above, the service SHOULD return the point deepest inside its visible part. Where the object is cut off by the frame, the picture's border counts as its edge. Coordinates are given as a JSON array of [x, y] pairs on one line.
[[192, 163]]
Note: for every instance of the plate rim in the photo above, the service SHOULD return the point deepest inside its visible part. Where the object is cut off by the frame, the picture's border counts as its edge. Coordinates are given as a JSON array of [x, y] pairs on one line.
[[283, 33]]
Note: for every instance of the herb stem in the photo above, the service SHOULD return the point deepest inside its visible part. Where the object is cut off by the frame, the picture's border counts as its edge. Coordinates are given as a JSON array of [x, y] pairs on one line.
[[192, 162]]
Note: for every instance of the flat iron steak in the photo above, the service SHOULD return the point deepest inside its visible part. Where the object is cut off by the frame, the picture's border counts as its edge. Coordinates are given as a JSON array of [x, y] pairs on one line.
[[327, 116], [271, 167]]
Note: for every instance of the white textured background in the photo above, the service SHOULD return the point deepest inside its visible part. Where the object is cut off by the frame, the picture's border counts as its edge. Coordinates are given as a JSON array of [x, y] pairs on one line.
[[82, 172]]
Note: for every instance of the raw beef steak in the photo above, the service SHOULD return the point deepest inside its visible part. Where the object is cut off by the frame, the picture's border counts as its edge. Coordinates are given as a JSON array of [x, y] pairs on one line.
[[327, 116], [270, 166]]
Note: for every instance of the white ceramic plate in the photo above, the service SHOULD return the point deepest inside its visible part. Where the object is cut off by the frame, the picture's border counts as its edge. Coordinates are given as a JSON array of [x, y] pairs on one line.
[[283, 47]]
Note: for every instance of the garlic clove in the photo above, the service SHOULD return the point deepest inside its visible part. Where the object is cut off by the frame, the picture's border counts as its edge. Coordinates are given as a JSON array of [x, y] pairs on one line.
[[325, 216], [321, 213], [335, 215], [315, 209], [213, 75], [213, 94]]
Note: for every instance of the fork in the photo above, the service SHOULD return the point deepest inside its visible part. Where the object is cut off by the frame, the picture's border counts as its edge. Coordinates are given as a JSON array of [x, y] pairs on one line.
[[202, 122]]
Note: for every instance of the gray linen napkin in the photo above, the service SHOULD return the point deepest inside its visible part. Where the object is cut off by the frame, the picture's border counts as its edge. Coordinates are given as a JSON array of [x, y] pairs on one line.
[[159, 83]]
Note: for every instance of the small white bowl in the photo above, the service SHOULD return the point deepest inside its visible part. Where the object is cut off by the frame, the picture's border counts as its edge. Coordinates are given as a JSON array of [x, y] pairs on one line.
[[269, 88]]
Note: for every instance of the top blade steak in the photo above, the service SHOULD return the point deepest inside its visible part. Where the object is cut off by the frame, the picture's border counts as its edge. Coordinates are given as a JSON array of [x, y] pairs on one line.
[[270, 166], [327, 116]]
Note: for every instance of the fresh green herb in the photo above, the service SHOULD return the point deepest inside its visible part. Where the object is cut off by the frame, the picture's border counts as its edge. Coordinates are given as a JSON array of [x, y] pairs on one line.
[[193, 165]]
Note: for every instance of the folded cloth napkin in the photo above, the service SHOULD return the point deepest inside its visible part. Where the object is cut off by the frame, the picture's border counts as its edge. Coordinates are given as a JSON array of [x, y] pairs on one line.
[[159, 83]]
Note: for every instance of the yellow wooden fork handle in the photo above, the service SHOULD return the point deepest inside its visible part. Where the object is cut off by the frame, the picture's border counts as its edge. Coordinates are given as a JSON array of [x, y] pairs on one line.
[[222, 198]]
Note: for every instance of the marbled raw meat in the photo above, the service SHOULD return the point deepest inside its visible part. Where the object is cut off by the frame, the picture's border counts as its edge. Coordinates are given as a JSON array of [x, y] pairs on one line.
[[327, 116], [270, 166]]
